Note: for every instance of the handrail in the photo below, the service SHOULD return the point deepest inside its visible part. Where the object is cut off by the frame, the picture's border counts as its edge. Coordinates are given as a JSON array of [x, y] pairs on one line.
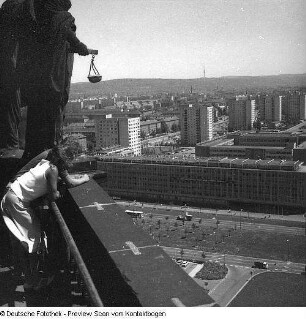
[[92, 291]]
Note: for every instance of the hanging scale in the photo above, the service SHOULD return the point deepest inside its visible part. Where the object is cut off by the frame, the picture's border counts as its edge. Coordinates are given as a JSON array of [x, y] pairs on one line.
[[95, 77]]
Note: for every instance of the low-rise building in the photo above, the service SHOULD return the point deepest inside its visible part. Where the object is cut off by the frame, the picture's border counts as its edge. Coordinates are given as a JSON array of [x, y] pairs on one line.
[[283, 146]]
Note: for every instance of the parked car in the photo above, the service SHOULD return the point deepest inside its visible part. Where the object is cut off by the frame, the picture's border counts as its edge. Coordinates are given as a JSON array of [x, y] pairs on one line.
[[184, 263], [187, 217], [179, 261], [260, 265]]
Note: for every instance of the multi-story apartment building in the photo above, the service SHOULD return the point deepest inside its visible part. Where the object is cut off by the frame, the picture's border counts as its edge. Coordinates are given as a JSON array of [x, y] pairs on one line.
[[295, 106], [106, 131], [241, 112], [261, 185], [87, 129], [129, 133], [196, 122], [124, 131], [270, 108], [148, 126]]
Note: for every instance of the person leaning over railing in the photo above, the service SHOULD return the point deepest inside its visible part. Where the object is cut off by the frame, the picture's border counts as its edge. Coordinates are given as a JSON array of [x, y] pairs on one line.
[[36, 180]]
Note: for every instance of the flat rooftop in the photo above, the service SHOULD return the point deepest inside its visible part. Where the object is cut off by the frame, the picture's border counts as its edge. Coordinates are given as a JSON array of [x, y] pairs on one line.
[[302, 145], [283, 165], [217, 142], [301, 127]]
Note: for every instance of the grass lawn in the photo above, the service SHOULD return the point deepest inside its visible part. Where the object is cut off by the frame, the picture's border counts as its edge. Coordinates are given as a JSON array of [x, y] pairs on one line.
[[233, 216], [258, 244], [273, 290], [211, 271]]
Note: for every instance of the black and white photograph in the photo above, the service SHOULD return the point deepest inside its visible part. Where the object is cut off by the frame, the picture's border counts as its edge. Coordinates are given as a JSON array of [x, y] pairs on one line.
[[152, 158]]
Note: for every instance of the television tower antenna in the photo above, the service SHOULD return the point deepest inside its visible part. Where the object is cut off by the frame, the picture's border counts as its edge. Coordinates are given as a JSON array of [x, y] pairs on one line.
[[204, 79]]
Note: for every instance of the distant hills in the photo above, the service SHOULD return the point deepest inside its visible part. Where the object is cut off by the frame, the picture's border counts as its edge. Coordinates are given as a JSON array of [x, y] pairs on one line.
[[155, 86]]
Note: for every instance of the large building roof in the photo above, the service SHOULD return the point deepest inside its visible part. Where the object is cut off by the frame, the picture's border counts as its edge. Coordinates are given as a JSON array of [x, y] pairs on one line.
[[283, 165]]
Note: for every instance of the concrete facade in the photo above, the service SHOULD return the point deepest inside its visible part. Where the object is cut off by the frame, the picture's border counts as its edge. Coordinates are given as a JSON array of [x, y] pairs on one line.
[[196, 122], [241, 112], [270, 108], [283, 146], [275, 185], [124, 131], [129, 133], [295, 106]]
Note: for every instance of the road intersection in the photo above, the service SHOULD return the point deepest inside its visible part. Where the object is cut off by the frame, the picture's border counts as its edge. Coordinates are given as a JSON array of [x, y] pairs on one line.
[[234, 260], [239, 271]]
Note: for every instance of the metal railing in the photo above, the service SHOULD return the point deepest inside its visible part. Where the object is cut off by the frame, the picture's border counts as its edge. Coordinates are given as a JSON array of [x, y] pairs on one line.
[[88, 282]]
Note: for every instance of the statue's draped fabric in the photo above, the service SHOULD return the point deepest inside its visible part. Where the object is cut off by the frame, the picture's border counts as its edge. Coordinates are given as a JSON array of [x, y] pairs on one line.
[[42, 40], [16, 21]]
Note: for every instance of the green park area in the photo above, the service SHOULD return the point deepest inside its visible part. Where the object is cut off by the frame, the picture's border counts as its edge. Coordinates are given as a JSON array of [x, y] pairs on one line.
[[212, 271], [271, 289], [225, 240]]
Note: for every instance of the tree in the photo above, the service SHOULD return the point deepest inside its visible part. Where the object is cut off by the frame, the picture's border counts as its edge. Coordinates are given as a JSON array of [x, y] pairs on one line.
[[217, 223], [73, 146], [158, 130], [90, 146], [153, 133], [174, 127], [143, 134], [164, 127]]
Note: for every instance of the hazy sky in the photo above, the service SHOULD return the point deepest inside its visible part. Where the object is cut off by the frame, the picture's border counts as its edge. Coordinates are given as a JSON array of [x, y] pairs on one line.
[[176, 38]]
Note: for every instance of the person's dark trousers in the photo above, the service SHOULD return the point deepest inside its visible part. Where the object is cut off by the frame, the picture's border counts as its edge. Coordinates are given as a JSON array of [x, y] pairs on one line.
[[9, 117], [44, 127]]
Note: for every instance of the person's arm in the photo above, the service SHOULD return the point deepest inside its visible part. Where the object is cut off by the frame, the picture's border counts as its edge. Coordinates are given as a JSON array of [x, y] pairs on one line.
[[76, 46], [52, 178], [71, 181]]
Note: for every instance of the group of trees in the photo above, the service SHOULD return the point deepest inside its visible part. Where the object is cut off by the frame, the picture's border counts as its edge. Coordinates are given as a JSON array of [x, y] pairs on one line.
[[73, 146], [164, 128]]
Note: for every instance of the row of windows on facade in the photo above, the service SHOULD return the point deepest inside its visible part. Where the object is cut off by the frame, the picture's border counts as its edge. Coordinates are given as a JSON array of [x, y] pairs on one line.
[[233, 193]]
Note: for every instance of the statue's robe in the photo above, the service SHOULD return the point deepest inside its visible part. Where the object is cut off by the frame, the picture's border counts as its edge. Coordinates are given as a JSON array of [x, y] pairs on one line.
[[46, 68], [16, 21]]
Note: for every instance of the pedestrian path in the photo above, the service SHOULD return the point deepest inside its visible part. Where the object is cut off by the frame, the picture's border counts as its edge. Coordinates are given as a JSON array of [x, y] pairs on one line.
[[195, 270], [227, 289]]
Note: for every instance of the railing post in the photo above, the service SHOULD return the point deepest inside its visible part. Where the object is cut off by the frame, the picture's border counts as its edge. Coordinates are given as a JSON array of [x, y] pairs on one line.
[[92, 291]]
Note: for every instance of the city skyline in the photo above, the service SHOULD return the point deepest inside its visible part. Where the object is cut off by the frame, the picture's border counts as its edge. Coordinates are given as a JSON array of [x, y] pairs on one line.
[[179, 39]]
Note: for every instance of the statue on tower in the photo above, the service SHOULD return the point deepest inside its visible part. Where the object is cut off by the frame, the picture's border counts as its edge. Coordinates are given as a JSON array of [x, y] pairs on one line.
[[37, 44]]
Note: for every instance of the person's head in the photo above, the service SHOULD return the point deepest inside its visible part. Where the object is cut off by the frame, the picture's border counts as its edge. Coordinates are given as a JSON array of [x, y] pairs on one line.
[[61, 156], [57, 5]]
